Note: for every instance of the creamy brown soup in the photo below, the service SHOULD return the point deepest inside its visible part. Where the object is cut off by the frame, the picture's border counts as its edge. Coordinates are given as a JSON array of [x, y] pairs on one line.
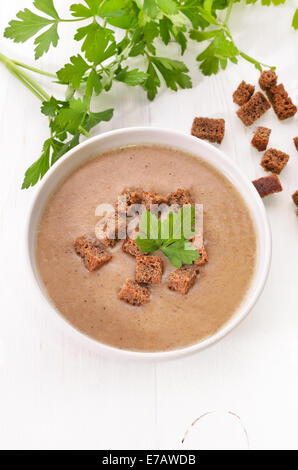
[[170, 320]]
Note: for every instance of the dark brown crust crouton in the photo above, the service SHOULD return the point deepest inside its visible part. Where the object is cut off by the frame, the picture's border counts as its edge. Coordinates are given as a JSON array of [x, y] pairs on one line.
[[296, 142], [203, 257], [148, 199], [267, 79], [129, 246], [181, 280], [243, 93], [267, 185], [197, 242], [295, 197], [134, 294], [149, 269], [208, 129], [109, 242], [132, 197], [253, 109], [261, 138], [274, 160], [281, 102], [93, 252], [114, 227], [180, 197]]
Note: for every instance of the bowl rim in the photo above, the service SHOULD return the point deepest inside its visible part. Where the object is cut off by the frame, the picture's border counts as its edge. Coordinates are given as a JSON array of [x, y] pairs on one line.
[[238, 316]]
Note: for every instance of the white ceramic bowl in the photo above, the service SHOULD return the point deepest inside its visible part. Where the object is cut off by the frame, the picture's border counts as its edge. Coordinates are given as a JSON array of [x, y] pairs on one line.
[[144, 135]]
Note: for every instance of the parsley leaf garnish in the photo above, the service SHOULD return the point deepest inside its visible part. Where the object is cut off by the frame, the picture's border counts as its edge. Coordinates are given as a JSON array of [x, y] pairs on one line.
[[169, 235], [180, 252]]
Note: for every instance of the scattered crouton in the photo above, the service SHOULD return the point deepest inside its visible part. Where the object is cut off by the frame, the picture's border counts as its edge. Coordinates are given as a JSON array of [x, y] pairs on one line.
[[134, 294], [181, 280], [93, 252], [129, 246], [281, 102], [148, 199], [243, 93], [149, 269], [261, 138], [296, 142], [180, 197], [274, 160], [267, 79], [295, 197], [267, 185], [208, 129], [253, 109]]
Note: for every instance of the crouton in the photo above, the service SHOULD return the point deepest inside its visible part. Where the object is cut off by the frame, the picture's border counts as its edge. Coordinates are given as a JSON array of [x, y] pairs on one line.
[[253, 109], [267, 185], [197, 240], [129, 246], [261, 138], [274, 160], [180, 197], [281, 102], [114, 226], [131, 197], [267, 79], [208, 129], [148, 199], [296, 142], [109, 242], [93, 252], [295, 197], [134, 294], [149, 269], [243, 93], [203, 257], [198, 243], [182, 279]]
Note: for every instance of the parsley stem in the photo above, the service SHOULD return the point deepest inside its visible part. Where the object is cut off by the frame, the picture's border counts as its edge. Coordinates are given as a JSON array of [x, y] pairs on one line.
[[227, 17], [83, 131], [33, 69], [24, 78], [70, 20], [253, 61], [29, 83], [34, 85]]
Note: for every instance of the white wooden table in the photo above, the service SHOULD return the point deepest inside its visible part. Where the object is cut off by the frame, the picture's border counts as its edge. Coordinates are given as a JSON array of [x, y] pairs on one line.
[[54, 394]]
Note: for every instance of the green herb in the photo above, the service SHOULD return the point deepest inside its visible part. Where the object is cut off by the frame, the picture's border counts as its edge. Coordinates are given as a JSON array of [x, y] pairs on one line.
[[145, 27], [170, 235], [295, 20]]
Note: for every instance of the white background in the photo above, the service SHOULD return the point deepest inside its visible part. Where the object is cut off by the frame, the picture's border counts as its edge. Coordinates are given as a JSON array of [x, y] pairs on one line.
[[56, 394]]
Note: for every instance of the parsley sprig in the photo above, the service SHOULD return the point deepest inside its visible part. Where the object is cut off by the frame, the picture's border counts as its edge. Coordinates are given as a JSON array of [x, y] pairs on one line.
[[144, 30], [170, 235]]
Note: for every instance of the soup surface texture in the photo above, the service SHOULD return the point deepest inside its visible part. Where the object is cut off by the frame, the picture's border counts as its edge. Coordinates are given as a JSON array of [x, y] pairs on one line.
[[169, 321]]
